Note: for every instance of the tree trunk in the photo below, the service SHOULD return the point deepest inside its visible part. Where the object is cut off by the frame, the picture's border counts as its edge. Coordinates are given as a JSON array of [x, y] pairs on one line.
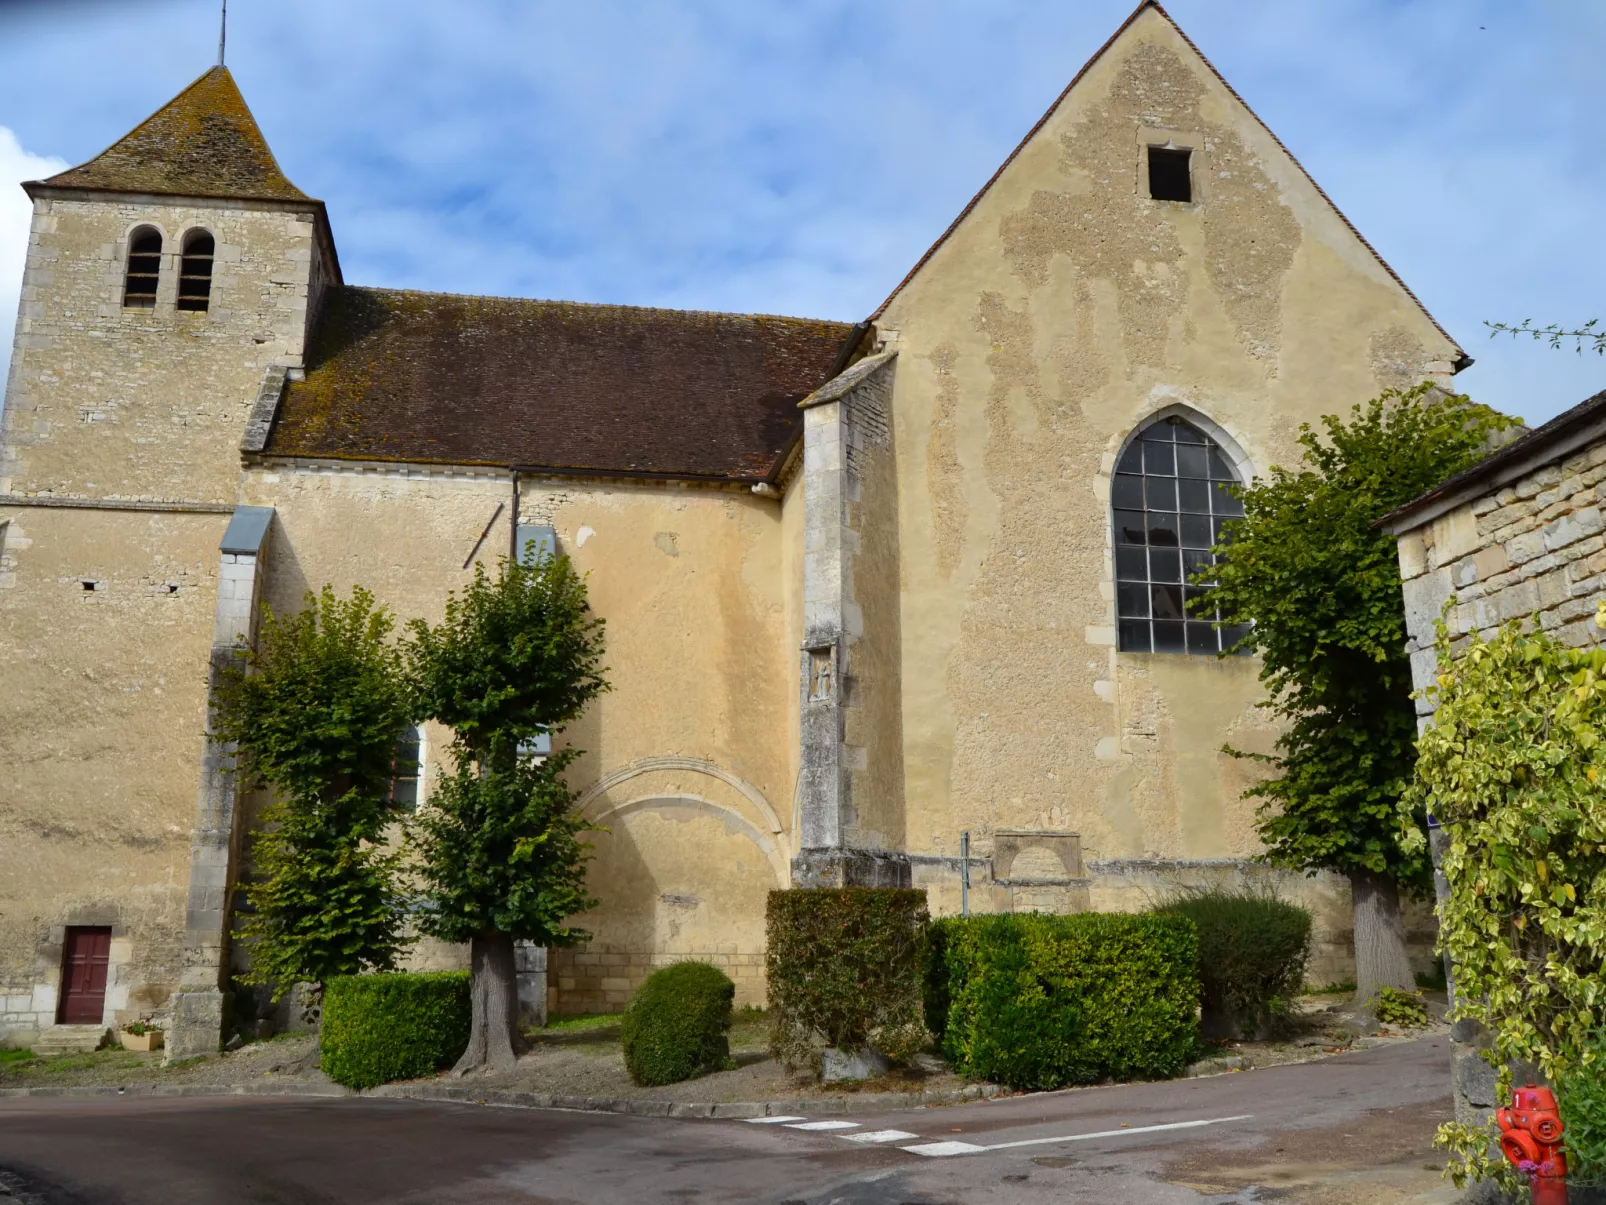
[[495, 1041], [1379, 937]]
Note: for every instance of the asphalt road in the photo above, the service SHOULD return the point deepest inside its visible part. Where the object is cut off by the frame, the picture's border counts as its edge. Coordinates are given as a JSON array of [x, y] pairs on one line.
[[1354, 1129]]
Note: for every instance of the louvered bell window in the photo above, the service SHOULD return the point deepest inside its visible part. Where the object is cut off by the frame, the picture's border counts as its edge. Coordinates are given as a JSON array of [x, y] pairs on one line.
[[1171, 506], [195, 272], [144, 269]]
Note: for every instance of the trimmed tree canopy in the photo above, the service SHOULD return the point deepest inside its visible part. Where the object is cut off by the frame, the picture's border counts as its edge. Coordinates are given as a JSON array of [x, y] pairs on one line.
[[316, 711], [1322, 589]]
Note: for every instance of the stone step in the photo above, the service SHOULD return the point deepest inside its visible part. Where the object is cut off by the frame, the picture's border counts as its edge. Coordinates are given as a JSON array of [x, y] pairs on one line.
[[70, 1039]]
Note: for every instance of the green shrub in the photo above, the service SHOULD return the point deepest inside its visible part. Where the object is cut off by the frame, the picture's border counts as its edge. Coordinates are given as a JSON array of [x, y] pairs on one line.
[[1253, 948], [939, 936], [678, 1024], [1039, 1001], [846, 969], [1394, 1007], [379, 1028], [1582, 1096]]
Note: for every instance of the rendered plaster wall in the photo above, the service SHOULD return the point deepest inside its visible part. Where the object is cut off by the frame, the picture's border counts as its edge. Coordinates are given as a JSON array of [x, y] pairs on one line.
[[1063, 311], [101, 716], [872, 729], [688, 760], [110, 402]]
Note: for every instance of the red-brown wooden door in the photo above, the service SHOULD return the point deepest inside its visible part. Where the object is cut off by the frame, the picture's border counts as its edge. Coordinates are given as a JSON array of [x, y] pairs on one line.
[[83, 976]]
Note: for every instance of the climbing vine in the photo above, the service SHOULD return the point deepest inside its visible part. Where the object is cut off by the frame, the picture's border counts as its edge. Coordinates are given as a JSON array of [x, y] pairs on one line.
[[1512, 768]]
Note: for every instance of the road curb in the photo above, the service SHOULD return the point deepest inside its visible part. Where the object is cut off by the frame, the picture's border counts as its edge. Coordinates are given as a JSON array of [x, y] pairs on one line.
[[637, 1107], [510, 1098]]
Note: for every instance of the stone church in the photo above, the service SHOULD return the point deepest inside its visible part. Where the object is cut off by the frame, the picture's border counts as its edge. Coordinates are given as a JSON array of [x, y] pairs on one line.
[[875, 593]]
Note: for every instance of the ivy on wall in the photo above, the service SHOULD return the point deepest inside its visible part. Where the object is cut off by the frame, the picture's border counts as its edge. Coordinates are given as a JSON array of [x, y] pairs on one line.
[[1514, 769]]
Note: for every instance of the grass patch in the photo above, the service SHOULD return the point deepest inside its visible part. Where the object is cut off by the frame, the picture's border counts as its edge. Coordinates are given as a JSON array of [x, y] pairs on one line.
[[66, 1064], [579, 1022], [14, 1056]]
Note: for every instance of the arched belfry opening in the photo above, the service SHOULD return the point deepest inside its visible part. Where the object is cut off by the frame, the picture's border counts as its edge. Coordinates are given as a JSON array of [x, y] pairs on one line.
[[144, 268], [1170, 503], [195, 271]]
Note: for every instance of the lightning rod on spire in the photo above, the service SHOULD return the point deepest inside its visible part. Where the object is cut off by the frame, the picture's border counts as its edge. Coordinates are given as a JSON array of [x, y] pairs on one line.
[[222, 32]]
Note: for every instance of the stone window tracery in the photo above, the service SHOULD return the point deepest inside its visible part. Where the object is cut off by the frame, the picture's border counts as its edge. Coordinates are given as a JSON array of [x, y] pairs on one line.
[[1169, 503]]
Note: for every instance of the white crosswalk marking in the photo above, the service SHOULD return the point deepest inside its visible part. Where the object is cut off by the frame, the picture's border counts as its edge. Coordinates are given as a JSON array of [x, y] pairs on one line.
[[823, 1125], [939, 1149], [771, 1121], [881, 1136]]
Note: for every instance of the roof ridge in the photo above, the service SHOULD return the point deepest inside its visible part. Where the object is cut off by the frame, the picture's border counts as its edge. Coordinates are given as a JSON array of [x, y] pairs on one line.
[[598, 305], [1233, 92]]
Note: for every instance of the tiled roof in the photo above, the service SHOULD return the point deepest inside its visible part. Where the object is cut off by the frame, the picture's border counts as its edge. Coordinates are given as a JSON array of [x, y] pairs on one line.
[[449, 379], [202, 143]]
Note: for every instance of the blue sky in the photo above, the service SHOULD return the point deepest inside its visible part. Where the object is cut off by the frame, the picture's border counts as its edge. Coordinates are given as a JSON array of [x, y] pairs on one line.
[[798, 156]]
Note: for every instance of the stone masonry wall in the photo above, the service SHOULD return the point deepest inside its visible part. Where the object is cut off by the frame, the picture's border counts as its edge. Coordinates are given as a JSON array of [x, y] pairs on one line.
[[1532, 550]]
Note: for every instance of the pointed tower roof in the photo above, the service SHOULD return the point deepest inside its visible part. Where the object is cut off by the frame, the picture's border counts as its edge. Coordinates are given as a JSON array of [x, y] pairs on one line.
[[202, 143], [1156, 7]]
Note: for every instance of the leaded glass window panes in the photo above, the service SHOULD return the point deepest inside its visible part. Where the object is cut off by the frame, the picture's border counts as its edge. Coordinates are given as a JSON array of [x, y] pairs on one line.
[[1170, 505]]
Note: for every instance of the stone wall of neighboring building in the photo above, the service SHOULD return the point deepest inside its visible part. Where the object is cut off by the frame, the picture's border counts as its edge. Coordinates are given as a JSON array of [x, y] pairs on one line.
[[1519, 537]]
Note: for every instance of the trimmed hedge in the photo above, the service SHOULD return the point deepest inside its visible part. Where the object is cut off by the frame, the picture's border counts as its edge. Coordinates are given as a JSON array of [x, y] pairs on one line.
[[846, 969], [379, 1028], [1253, 948], [1037, 1001], [677, 1026]]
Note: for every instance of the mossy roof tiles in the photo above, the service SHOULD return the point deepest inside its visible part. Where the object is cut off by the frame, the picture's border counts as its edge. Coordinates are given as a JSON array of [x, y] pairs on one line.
[[202, 143], [448, 379]]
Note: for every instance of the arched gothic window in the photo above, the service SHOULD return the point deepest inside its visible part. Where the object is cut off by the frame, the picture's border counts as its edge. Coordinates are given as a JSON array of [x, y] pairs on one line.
[[1170, 503], [144, 269], [195, 271]]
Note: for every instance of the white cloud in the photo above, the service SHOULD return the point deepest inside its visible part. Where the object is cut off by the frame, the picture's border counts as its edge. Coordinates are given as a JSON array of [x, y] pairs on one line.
[[16, 215]]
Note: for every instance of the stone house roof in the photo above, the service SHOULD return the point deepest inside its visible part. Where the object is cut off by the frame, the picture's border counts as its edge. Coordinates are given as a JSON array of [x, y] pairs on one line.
[[202, 143], [1563, 435], [443, 378]]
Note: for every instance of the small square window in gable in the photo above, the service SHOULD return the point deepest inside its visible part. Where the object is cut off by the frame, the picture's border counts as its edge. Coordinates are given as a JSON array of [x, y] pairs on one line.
[[1169, 176]]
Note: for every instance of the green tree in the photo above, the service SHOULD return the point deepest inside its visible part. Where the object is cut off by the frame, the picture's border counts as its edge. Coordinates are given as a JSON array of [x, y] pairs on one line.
[[1591, 334], [315, 712], [500, 853], [1321, 587]]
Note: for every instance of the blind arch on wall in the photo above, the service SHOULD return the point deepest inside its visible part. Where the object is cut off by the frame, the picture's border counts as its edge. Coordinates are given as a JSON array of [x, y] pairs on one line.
[[1169, 506]]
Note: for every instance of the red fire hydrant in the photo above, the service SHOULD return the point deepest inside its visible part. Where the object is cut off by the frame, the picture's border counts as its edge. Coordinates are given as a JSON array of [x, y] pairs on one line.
[[1530, 1137]]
